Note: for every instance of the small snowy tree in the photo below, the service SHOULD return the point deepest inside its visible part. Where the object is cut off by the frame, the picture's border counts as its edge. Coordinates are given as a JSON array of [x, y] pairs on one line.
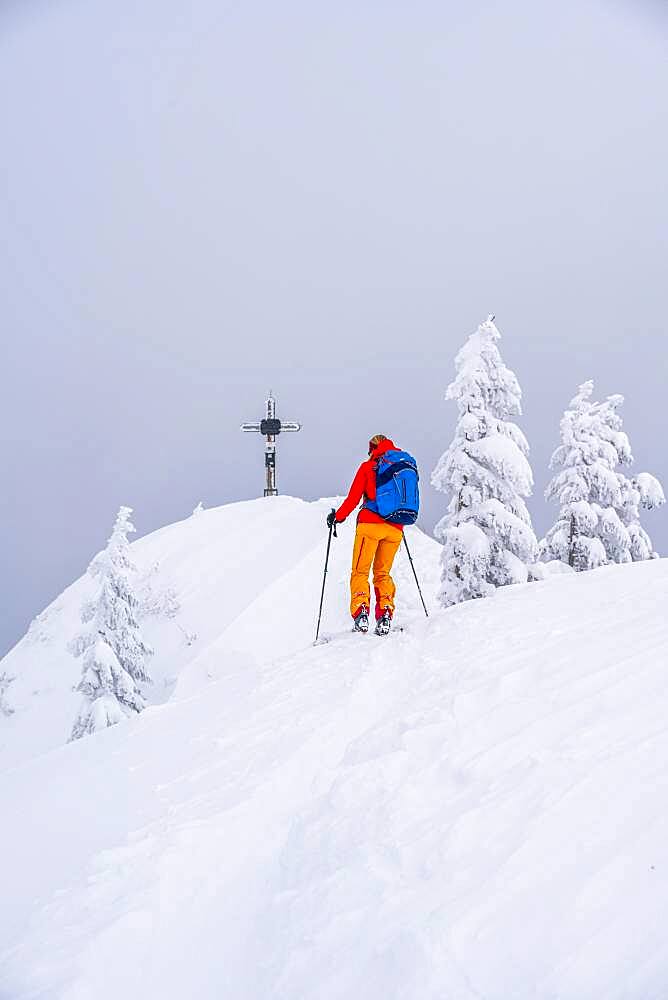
[[585, 485], [110, 693], [5, 707], [488, 540], [39, 630], [598, 519], [154, 599], [642, 492], [112, 645]]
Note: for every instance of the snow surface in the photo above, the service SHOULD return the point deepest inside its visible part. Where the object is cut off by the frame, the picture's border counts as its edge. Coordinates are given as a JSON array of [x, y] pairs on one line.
[[471, 809]]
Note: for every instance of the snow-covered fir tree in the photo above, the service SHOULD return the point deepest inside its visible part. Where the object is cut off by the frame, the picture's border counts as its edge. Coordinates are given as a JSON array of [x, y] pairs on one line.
[[488, 540], [641, 492], [586, 485], [110, 693], [112, 645], [599, 517]]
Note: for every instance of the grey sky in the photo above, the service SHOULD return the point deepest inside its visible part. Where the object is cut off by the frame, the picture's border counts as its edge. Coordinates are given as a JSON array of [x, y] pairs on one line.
[[200, 201]]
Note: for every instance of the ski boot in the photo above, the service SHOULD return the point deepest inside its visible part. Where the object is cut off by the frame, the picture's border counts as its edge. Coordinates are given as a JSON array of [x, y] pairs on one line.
[[361, 619], [384, 623]]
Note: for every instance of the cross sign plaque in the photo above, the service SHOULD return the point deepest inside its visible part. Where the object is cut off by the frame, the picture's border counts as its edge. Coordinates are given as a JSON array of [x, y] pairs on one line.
[[270, 427]]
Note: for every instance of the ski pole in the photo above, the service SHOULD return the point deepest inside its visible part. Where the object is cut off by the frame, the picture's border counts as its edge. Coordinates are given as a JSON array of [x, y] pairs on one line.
[[324, 575], [415, 575]]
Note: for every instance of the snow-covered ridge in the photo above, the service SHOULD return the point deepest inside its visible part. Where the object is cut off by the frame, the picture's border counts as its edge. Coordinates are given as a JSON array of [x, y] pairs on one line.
[[472, 808], [236, 581]]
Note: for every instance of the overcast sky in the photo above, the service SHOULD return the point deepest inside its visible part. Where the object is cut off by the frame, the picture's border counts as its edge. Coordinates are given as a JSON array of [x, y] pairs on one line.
[[202, 201]]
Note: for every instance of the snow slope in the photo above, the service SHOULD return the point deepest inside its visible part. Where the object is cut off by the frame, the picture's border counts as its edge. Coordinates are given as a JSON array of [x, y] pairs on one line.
[[472, 808], [247, 578]]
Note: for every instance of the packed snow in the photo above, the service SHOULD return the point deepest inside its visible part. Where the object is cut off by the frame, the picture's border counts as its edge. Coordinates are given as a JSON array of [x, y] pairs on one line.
[[473, 808]]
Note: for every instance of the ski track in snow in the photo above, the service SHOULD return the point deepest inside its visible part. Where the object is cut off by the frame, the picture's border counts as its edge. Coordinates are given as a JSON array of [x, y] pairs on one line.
[[473, 808]]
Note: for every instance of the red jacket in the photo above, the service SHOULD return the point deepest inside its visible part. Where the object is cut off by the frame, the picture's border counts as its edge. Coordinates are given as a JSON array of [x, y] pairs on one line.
[[364, 486]]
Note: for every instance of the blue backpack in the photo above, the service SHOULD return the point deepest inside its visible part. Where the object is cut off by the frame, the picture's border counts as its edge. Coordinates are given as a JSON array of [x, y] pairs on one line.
[[397, 494]]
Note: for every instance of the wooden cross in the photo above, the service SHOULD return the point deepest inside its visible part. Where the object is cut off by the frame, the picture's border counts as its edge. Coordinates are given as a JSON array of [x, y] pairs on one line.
[[271, 427]]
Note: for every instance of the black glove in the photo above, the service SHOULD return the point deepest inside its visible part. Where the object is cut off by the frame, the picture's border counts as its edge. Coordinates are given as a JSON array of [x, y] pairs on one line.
[[331, 519]]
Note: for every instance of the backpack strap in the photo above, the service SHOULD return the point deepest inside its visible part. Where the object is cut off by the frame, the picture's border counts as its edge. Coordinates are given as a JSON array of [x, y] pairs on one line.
[[393, 468]]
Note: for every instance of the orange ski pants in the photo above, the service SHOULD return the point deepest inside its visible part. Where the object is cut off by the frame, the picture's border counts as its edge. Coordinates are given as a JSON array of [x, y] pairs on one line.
[[375, 544]]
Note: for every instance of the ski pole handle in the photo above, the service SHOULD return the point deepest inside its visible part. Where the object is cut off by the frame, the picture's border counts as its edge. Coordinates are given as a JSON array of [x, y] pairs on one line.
[[332, 523]]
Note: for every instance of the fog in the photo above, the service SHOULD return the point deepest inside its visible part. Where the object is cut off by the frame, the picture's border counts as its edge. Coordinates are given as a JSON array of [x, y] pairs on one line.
[[200, 202]]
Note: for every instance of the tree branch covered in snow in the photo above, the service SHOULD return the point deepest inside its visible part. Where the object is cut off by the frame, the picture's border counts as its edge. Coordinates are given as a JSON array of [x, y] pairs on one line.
[[488, 540], [112, 645]]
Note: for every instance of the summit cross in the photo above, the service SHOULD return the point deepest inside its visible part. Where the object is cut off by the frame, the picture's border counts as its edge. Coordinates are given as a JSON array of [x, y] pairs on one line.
[[270, 427]]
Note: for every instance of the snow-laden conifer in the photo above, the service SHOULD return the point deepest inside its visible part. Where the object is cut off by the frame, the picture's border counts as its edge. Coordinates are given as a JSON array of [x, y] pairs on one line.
[[488, 540], [110, 693], [154, 598], [112, 645], [599, 518], [585, 485], [641, 492]]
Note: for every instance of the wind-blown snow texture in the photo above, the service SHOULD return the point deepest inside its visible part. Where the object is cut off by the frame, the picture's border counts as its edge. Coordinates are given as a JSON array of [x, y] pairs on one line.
[[472, 808]]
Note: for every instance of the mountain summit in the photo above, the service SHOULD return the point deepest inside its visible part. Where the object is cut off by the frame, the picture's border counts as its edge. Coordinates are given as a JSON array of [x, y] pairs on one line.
[[471, 807]]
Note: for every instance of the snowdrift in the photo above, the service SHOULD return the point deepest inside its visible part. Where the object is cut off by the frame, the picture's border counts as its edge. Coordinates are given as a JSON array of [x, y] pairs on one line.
[[474, 807]]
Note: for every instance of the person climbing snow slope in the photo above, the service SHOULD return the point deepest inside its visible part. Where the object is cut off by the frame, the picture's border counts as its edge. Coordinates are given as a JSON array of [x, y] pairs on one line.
[[388, 484]]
